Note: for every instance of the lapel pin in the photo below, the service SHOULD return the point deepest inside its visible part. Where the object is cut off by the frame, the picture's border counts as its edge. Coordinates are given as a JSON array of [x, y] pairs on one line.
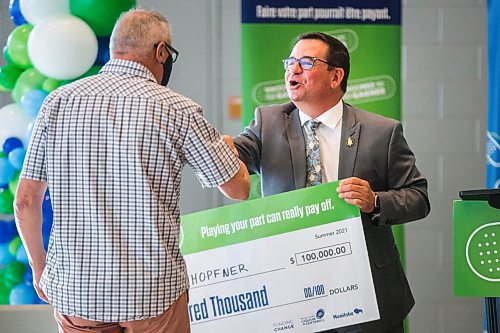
[[349, 142]]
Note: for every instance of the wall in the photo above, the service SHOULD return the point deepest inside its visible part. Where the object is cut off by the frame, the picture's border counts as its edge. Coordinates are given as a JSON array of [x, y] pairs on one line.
[[444, 70], [444, 115]]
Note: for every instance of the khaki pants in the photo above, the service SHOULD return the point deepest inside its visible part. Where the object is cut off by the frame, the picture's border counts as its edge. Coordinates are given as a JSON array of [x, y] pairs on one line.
[[174, 320]]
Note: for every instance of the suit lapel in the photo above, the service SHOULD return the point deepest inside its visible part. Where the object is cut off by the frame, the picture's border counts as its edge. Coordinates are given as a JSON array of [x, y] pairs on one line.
[[349, 140], [297, 147]]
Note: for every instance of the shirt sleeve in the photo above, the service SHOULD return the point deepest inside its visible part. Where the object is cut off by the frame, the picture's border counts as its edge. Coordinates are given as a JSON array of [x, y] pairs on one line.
[[34, 167], [213, 162]]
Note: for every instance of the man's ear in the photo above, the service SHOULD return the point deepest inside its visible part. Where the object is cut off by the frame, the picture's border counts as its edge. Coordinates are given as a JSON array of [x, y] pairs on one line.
[[161, 53], [337, 77]]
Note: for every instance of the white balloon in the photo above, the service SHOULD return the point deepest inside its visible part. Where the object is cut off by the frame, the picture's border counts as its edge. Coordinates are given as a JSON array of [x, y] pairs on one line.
[[35, 11], [14, 122], [62, 47]]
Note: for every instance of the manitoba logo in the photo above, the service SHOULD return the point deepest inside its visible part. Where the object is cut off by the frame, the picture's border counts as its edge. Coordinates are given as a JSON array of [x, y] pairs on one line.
[[356, 311]]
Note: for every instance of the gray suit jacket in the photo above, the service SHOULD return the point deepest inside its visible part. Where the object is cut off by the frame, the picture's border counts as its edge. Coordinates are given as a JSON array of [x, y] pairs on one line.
[[273, 146]]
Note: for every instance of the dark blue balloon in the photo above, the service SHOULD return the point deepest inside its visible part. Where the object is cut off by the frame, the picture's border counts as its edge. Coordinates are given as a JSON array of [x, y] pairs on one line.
[[7, 231], [11, 143], [5, 255], [102, 51], [28, 276], [15, 13]]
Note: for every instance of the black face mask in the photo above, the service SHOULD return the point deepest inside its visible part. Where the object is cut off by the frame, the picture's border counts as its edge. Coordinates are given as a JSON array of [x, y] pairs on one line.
[[167, 70]]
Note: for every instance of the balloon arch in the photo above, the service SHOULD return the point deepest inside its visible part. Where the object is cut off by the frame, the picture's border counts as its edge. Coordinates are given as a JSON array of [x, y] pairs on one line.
[[54, 42]]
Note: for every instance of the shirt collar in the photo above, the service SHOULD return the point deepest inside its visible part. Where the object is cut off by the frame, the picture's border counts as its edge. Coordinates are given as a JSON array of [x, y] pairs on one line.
[[330, 118], [121, 66]]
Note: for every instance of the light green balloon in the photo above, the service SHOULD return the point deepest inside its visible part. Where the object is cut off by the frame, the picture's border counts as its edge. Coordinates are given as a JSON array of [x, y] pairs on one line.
[[14, 245], [30, 79], [17, 46], [50, 84], [14, 182]]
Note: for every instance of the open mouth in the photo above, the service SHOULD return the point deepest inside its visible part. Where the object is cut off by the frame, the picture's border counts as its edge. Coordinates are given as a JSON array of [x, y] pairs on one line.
[[293, 83]]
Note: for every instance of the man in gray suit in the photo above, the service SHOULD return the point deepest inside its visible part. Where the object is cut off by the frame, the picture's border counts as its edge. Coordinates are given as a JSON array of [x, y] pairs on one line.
[[367, 151]]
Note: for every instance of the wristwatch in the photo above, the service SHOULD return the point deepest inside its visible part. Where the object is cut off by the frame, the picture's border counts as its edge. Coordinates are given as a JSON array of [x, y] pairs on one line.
[[376, 211]]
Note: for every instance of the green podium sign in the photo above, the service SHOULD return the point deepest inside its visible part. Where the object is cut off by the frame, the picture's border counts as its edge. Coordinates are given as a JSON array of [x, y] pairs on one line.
[[476, 249]]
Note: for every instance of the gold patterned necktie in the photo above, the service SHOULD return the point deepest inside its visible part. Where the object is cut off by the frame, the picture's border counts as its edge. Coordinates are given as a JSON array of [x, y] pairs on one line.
[[313, 162]]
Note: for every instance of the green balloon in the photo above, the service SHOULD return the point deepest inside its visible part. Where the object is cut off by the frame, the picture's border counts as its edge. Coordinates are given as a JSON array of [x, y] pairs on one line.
[[6, 55], [50, 84], [17, 46], [14, 182], [100, 15], [29, 80], [8, 76], [13, 273], [2, 155], [92, 71], [6, 201], [14, 245], [4, 293]]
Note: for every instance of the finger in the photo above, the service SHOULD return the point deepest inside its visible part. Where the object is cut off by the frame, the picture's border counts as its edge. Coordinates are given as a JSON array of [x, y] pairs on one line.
[[353, 188], [353, 180]]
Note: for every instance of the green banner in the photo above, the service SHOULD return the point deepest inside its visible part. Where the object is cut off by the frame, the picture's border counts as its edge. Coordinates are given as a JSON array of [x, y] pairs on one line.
[[374, 80], [277, 214], [476, 246]]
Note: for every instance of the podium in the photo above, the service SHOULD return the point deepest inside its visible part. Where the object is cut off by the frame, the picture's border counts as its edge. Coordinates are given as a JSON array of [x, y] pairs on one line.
[[476, 249]]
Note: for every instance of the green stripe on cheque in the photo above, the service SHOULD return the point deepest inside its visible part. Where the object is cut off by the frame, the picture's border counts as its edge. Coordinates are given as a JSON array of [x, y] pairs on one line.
[[265, 217]]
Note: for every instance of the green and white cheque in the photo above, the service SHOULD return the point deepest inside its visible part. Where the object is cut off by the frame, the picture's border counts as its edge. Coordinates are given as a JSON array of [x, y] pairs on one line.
[[294, 262]]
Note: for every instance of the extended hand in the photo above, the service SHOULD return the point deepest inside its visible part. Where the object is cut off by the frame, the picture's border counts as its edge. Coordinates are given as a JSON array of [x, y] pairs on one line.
[[357, 191]]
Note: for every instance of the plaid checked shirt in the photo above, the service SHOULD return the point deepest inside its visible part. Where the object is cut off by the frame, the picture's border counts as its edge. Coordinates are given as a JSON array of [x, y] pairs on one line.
[[112, 148]]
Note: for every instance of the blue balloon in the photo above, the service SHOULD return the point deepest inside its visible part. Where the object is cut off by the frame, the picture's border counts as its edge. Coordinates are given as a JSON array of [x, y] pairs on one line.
[[22, 294], [22, 256], [7, 171], [102, 51], [5, 255], [29, 131], [15, 13], [16, 157], [32, 101], [7, 231], [11, 143], [28, 276], [39, 300]]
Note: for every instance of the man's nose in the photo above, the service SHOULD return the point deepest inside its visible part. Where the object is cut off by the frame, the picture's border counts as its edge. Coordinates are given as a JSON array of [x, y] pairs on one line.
[[295, 68]]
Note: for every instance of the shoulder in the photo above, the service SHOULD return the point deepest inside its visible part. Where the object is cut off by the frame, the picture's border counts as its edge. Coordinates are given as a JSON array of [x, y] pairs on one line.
[[369, 118], [274, 110]]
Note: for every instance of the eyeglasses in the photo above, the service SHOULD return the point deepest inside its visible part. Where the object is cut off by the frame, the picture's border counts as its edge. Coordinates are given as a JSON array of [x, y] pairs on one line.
[[173, 52], [305, 63]]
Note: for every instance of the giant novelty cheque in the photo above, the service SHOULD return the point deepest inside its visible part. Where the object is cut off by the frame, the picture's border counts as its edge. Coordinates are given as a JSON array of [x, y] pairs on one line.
[[294, 262]]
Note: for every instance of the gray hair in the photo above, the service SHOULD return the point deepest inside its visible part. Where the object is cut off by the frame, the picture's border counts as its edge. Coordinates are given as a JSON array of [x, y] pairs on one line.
[[136, 31]]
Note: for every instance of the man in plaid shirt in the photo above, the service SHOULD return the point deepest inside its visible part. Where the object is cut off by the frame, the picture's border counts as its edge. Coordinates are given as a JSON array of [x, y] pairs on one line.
[[111, 149]]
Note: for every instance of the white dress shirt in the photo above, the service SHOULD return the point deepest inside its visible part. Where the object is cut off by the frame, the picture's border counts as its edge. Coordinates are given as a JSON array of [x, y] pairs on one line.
[[329, 140]]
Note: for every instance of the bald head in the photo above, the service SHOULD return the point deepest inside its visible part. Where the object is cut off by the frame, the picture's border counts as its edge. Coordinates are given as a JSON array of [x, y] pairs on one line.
[[136, 32]]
